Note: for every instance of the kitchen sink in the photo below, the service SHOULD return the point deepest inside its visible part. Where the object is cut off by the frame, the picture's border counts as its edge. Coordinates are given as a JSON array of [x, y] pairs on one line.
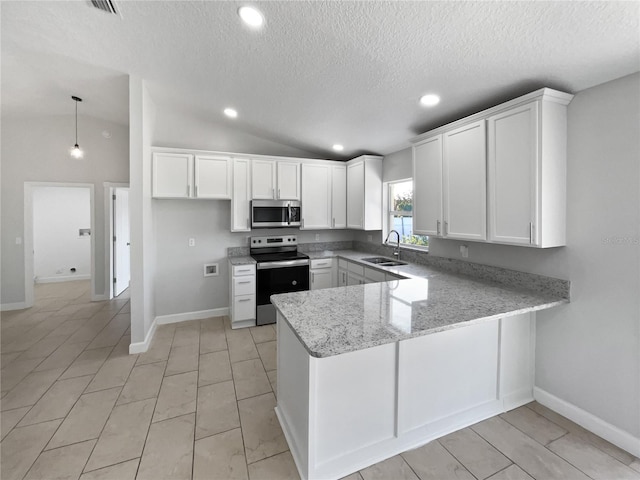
[[384, 262]]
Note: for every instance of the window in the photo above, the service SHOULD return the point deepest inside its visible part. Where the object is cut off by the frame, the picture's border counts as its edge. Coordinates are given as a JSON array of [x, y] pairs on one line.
[[400, 216]]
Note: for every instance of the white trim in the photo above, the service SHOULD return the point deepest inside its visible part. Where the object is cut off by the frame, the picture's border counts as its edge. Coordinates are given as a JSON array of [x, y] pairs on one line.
[[109, 189], [62, 278], [141, 347], [609, 432], [197, 315], [28, 236], [5, 307]]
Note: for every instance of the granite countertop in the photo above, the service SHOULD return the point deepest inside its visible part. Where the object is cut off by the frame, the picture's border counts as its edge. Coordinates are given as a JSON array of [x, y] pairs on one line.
[[241, 260], [345, 319]]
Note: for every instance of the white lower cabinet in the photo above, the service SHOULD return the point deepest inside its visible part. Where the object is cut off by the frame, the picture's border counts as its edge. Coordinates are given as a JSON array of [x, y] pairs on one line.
[[242, 296], [348, 411], [342, 272], [321, 274], [355, 274]]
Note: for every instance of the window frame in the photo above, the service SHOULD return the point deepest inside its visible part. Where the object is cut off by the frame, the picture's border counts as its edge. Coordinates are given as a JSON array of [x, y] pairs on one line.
[[390, 214]]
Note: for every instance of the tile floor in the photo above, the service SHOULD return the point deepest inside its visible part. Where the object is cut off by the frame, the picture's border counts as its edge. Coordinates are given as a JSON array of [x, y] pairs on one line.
[[199, 404]]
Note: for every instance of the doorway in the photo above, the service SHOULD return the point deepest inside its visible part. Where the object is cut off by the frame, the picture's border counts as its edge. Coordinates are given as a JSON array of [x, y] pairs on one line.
[[59, 234], [119, 271]]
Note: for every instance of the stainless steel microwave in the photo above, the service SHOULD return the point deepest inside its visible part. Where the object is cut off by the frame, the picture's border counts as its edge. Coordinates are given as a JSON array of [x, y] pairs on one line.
[[275, 213]]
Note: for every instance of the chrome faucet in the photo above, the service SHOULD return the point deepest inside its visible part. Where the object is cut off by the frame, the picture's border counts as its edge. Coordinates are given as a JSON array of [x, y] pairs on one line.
[[396, 252]]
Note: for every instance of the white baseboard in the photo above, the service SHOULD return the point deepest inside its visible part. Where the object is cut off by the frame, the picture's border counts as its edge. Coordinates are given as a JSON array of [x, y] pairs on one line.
[[594, 424], [6, 307], [198, 315], [62, 278], [98, 298], [141, 347]]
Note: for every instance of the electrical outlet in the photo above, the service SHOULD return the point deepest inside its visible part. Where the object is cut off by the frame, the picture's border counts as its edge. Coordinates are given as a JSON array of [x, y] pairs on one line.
[[192, 242], [464, 250], [317, 237], [369, 238]]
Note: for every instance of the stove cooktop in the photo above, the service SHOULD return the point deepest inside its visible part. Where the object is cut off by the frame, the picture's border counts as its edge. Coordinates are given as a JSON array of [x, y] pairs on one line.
[[278, 257]]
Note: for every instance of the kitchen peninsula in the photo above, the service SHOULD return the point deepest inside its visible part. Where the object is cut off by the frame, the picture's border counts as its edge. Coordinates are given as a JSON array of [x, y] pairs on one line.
[[368, 371]]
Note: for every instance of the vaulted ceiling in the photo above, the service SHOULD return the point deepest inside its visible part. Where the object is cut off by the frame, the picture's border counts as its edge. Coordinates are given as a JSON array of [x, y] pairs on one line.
[[318, 72]]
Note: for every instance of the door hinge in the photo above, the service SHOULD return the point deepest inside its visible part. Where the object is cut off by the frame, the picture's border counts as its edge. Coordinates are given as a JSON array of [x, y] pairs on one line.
[[114, 279], [113, 196], [114, 239]]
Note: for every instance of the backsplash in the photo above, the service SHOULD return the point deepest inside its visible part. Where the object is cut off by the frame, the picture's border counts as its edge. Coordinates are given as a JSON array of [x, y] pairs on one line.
[[514, 278]]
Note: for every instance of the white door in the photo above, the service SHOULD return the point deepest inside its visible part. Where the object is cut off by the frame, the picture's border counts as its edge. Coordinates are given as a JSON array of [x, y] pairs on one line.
[[121, 242], [513, 154], [339, 196], [263, 176], [427, 187], [212, 177], [288, 181], [465, 182], [316, 196], [355, 195]]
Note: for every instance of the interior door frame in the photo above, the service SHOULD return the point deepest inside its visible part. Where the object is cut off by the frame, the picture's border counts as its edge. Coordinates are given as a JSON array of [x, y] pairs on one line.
[[109, 191], [29, 298]]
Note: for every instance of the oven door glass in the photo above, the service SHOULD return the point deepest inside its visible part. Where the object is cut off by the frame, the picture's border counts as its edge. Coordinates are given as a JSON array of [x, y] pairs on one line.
[[281, 280]]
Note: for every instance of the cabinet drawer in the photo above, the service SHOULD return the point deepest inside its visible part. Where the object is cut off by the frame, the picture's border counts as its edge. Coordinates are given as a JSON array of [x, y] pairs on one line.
[[355, 268], [244, 286], [244, 307], [322, 263], [374, 275], [342, 263], [239, 270]]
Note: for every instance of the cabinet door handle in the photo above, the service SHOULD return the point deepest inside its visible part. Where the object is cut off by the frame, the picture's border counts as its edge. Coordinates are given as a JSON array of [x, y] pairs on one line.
[[273, 193], [247, 222], [247, 281], [333, 223], [244, 300], [195, 190], [531, 232], [446, 228], [278, 193], [438, 227], [302, 223], [313, 277]]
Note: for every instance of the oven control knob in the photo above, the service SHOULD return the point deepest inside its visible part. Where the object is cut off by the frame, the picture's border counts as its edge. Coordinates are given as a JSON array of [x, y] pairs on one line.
[[294, 282]]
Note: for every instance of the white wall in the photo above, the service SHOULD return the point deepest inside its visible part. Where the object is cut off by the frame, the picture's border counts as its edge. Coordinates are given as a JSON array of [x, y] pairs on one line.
[[397, 166], [37, 149], [180, 285], [588, 352], [143, 248], [58, 214]]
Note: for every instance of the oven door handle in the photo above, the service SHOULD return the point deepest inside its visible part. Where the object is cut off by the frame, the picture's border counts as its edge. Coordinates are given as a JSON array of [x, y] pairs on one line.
[[288, 213], [283, 264]]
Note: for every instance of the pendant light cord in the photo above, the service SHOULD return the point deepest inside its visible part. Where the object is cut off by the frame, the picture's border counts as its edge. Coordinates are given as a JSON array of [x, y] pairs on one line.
[[76, 122]]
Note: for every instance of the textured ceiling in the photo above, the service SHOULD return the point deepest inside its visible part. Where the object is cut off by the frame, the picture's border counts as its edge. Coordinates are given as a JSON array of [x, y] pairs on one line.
[[318, 73]]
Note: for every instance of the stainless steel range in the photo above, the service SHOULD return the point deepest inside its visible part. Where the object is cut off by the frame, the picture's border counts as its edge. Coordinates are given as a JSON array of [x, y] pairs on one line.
[[280, 269]]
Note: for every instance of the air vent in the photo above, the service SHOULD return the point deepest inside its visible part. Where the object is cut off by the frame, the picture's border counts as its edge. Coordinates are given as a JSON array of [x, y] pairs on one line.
[[106, 6]]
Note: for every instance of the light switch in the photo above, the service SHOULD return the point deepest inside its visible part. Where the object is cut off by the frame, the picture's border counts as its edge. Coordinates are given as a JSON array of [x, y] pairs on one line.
[[192, 242], [317, 237]]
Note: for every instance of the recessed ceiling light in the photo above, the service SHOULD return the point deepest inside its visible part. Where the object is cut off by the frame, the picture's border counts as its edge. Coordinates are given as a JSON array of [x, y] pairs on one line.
[[338, 148], [251, 16], [230, 112], [429, 100]]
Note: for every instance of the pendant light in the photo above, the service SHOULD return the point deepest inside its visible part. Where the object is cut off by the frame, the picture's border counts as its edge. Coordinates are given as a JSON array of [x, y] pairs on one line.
[[75, 150]]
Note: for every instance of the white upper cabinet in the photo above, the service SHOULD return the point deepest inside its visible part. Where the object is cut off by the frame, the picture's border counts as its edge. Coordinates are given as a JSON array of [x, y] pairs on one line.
[[241, 196], [183, 175], [288, 181], [275, 179], [316, 197], [338, 196], [364, 193], [465, 182], [172, 175], [527, 172], [263, 179], [503, 174], [324, 196], [427, 186], [213, 176]]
